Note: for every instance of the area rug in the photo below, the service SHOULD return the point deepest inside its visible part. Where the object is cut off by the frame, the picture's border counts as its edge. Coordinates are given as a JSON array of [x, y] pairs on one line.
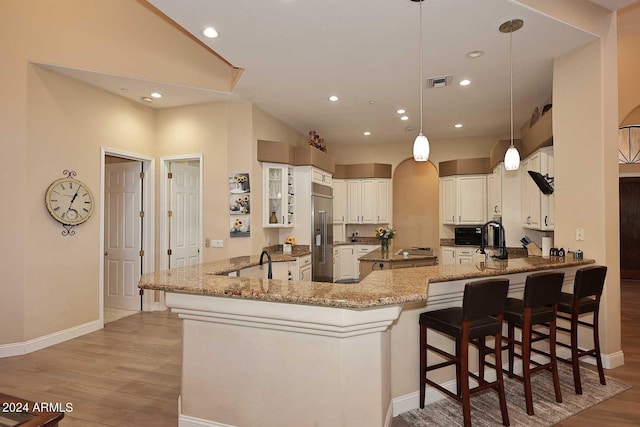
[[485, 408]]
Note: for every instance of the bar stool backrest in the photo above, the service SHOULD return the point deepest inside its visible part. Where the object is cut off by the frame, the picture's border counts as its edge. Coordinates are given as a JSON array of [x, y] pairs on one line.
[[484, 298], [542, 289], [589, 281]]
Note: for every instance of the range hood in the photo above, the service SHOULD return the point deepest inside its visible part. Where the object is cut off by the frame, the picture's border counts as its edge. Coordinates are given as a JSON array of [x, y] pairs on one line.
[[544, 182]]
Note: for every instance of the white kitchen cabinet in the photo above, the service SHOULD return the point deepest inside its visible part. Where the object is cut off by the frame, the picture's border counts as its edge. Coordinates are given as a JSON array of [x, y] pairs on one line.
[[368, 201], [450, 255], [383, 189], [300, 269], [279, 204], [494, 191], [339, 201], [336, 264], [537, 208], [321, 177], [447, 255], [464, 199], [348, 262], [362, 250]]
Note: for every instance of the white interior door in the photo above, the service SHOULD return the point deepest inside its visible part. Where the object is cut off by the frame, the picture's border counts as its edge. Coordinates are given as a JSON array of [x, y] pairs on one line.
[[122, 229], [184, 223]]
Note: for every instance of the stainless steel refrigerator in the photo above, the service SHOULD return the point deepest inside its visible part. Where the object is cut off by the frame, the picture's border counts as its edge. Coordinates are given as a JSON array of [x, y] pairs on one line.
[[322, 232]]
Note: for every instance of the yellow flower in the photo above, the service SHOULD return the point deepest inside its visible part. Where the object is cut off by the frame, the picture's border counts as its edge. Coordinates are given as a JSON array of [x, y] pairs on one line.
[[291, 240]]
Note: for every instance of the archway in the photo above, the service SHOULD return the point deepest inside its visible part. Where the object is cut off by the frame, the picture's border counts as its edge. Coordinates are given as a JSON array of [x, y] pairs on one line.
[[416, 205]]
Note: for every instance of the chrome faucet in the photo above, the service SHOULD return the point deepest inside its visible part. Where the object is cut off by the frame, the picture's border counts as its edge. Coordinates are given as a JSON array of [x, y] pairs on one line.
[[503, 245], [270, 272]]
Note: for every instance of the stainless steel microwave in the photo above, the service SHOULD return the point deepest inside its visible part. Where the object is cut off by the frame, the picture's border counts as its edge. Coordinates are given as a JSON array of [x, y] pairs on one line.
[[468, 236]]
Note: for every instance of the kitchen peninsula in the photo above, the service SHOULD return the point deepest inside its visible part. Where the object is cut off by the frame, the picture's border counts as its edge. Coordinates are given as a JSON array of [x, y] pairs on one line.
[[274, 352]]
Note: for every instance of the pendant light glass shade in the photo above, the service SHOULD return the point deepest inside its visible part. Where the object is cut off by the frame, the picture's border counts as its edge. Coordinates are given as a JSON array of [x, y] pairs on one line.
[[421, 143], [512, 159], [421, 148]]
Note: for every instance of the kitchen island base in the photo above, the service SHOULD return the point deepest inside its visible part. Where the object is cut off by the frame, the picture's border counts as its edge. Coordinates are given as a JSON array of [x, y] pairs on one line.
[[257, 363]]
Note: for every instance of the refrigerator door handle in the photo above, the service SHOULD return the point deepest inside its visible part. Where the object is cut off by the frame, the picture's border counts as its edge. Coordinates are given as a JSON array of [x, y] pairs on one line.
[[323, 219]]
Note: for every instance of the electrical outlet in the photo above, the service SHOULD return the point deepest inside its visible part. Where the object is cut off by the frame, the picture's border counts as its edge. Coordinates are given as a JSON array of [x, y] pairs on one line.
[[579, 233], [217, 243], [207, 242]]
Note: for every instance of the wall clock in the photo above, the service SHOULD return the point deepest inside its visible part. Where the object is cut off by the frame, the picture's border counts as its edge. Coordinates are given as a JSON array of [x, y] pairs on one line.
[[69, 201]]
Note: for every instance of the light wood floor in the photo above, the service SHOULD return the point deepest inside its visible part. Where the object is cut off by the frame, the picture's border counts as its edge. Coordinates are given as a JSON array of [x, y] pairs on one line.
[[128, 374]]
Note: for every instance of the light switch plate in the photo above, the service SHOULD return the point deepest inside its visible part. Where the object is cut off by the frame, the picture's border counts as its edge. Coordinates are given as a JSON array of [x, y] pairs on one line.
[[579, 233], [217, 243]]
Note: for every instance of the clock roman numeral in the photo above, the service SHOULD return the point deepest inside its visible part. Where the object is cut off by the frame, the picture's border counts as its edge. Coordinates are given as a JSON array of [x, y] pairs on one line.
[[57, 208], [85, 209]]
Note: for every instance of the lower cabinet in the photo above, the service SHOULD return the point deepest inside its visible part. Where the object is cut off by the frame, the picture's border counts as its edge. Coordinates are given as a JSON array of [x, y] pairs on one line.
[[300, 269], [346, 260], [447, 255], [459, 255]]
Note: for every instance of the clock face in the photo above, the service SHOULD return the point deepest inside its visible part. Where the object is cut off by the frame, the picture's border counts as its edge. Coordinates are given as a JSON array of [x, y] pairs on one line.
[[69, 201]]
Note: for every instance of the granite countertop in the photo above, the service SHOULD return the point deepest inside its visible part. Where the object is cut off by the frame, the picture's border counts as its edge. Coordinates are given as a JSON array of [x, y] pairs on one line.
[[379, 288], [393, 256]]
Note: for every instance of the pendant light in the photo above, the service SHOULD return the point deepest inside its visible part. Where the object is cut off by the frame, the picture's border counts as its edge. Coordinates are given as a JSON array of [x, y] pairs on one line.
[[511, 157], [421, 144]]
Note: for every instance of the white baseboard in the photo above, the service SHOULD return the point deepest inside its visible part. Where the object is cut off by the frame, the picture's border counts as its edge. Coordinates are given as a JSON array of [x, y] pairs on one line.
[[609, 361], [188, 421], [389, 418], [411, 401], [17, 349]]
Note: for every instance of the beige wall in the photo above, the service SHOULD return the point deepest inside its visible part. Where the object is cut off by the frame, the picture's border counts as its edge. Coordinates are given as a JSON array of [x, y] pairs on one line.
[[50, 123], [629, 64], [585, 95]]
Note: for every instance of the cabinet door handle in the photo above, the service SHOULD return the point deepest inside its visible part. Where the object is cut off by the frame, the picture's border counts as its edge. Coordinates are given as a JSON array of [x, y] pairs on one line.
[[495, 210], [545, 220], [459, 218], [453, 218]]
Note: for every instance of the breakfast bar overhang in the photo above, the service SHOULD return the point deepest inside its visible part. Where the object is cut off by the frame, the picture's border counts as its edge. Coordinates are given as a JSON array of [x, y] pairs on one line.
[[260, 352]]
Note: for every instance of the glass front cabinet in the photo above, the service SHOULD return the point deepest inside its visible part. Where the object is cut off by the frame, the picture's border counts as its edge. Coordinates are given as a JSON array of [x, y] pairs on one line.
[[278, 195]]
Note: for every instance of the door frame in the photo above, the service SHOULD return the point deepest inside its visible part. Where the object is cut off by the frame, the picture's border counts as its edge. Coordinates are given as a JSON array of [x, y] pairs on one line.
[[164, 188], [621, 176], [148, 225]]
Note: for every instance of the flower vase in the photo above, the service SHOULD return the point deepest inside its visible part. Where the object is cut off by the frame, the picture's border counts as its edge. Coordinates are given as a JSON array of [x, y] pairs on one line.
[[384, 246], [273, 219]]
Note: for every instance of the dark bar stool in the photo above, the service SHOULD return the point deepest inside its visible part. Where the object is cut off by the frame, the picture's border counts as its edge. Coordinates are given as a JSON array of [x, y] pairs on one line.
[[538, 307], [587, 290], [481, 315]]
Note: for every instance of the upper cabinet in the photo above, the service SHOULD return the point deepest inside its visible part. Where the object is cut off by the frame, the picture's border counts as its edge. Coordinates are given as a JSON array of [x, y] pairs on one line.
[[368, 201], [321, 177], [339, 201], [537, 208], [494, 191], [464, 199], [278, 210]]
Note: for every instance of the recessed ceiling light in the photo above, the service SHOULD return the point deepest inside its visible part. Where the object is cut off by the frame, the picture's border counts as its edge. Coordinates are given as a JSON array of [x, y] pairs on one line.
[[333, 98], [475, 54], [372, 102], [210, 32], [367, 133], [147, 99], [401, 111], [465, 82], [404, 118], [156, 95], [124, 90], [458, 125], [410, 128]]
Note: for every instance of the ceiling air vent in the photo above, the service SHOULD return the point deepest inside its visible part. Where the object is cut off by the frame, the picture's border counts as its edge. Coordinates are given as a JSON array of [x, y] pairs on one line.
[[435, 82]]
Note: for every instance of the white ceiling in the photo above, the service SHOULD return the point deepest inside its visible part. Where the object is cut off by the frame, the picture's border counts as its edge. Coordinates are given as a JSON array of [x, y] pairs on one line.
[[614, 4], [298, 52]]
